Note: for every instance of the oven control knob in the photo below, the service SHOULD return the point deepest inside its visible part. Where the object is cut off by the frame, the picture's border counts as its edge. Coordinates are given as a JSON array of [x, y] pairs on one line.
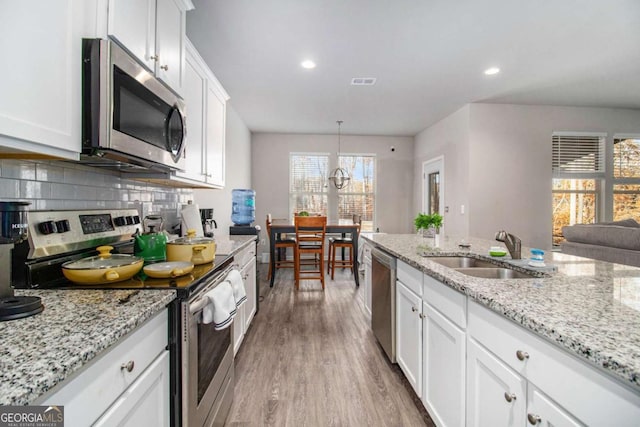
[[120, 221], [136, 219], [47, 227], [62, 226], [129, 220]]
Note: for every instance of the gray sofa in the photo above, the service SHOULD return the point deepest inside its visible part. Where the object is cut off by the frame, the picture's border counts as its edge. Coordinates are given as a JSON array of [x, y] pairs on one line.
[[617, 241]]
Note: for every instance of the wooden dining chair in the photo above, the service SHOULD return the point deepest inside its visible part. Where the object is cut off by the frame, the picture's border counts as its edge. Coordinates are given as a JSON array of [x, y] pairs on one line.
[[344, 243], [310, 233], [282, 243]]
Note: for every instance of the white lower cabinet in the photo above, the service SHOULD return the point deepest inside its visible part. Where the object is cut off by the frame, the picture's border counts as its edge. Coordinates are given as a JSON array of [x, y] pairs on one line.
[[443, 383], [409, 335], [128, 385], [246, 260], [561, 389], [473, 367], [543, 411], [143, 404], [496, 396]]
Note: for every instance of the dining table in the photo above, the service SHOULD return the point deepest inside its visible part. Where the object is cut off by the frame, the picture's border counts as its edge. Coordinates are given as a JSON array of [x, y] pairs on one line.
[[279, 227]]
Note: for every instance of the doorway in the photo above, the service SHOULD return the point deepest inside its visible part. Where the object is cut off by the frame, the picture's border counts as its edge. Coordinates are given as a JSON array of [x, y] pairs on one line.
[[433, 186]]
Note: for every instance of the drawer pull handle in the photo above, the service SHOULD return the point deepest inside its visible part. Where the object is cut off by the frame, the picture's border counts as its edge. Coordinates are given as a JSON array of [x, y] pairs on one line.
[[128, 366], [509, 397], [414, 309], [534, 419], [522, 355]]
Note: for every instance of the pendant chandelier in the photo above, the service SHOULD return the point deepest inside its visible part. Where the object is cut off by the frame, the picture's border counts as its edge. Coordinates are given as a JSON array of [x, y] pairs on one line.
[[340, 177]]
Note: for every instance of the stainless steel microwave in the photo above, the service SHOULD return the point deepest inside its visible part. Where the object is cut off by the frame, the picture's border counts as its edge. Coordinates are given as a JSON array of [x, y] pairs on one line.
[[130, 120]]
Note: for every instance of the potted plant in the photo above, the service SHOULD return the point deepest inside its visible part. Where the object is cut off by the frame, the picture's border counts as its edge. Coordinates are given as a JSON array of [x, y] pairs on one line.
[[428, 224]]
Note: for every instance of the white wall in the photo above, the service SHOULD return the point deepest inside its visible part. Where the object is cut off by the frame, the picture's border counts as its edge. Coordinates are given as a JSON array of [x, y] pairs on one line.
[[508, 183], [448, 138], [270, 173], [237, 172]]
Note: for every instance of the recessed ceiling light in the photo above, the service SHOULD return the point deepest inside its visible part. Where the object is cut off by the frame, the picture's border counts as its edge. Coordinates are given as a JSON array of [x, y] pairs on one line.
[[491, 71], [308, 64]]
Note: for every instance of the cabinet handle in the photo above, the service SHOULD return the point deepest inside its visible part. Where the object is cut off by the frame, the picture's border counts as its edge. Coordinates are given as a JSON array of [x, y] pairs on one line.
[[128, 366], [522, 355], [154, 58], [422, 316], [534, 419], [414, 309], [509, 397], [164, 67]]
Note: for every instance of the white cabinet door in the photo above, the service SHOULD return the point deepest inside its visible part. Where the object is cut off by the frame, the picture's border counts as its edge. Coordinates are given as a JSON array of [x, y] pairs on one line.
[[146, 402], [496, 395], [238, 329], [249, 276], [543, 411], [409, 335], [443, 385], [170, 35], [40, 98], [215, 136], [133, 24], [195, 84]]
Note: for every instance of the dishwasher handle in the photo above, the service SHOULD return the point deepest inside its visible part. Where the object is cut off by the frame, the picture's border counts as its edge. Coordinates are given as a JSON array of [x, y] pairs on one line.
[[384, 258]]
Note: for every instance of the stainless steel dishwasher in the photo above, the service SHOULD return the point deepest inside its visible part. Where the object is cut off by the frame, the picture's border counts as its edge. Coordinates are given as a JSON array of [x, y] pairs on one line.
[[383, 300]]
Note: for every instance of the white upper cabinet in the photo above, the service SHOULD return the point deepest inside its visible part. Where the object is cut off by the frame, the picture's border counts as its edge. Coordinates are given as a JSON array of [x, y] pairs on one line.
[[40, 101], [215, 139], [206, 121], [154, 31]]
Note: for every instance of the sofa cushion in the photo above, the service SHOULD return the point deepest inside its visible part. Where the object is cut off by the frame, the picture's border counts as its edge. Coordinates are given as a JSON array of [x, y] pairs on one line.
[[605, 235], [629, 222]]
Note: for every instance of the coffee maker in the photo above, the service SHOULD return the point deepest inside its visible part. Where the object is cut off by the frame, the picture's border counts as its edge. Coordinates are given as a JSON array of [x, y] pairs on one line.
[[208, 223], [14, 231]]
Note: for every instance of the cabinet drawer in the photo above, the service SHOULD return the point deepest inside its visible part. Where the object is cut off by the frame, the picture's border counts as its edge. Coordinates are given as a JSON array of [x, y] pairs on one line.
[[571, 382], [246, 255], [411, 277], [449, 302], [96, 387]]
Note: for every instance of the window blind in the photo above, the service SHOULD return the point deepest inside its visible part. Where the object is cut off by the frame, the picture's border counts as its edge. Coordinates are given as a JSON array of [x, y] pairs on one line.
[[578, 153]]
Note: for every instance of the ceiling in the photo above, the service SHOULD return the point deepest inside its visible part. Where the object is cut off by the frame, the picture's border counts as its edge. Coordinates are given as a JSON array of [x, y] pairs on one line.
[[428, 57]]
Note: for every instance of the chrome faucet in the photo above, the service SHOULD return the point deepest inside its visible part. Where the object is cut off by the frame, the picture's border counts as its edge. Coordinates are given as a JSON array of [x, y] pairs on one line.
[[514, 244]]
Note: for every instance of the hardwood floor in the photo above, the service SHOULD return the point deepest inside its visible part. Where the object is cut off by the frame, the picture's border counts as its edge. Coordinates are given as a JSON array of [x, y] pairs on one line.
[[310, 359]]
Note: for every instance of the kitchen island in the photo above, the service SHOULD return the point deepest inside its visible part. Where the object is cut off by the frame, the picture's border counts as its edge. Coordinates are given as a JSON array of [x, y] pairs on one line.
[[587, 313]]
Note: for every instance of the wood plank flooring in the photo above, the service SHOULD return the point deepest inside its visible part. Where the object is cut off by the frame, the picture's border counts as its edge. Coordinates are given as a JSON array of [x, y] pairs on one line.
[[310, 359]]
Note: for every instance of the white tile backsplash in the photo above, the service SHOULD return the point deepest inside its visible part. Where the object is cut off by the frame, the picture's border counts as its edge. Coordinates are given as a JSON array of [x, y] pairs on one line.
[[52, 185]]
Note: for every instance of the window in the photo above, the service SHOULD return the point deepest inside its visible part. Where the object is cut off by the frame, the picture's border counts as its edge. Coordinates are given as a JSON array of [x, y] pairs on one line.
[[307, 183], [574, 202], [358, 197], [626, 178], [310, 189], [578, 169]]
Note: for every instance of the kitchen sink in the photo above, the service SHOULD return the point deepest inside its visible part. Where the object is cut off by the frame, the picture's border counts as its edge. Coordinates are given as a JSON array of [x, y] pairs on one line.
[[460, 262], [495, 273]]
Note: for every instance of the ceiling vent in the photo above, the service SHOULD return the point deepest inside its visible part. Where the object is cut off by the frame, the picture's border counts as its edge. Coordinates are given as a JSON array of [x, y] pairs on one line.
[[363, 81]]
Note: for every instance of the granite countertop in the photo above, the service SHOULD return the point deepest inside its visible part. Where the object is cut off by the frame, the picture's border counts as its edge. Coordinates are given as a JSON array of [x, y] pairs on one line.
[[230, 245], [587, 307], [38, 352]]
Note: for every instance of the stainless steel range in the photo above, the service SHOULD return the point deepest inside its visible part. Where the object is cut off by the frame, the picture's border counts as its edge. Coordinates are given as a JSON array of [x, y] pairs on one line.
[[202, 371]]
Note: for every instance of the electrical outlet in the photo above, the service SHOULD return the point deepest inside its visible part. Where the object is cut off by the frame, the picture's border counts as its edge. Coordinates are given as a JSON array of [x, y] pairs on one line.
[[263, 242]]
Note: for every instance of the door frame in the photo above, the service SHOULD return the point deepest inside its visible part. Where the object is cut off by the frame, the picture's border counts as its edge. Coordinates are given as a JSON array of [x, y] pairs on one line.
[[428, 166]]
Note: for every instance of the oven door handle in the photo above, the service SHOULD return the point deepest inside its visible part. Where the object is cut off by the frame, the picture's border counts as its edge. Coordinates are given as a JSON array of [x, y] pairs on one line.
[[198, 305]]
